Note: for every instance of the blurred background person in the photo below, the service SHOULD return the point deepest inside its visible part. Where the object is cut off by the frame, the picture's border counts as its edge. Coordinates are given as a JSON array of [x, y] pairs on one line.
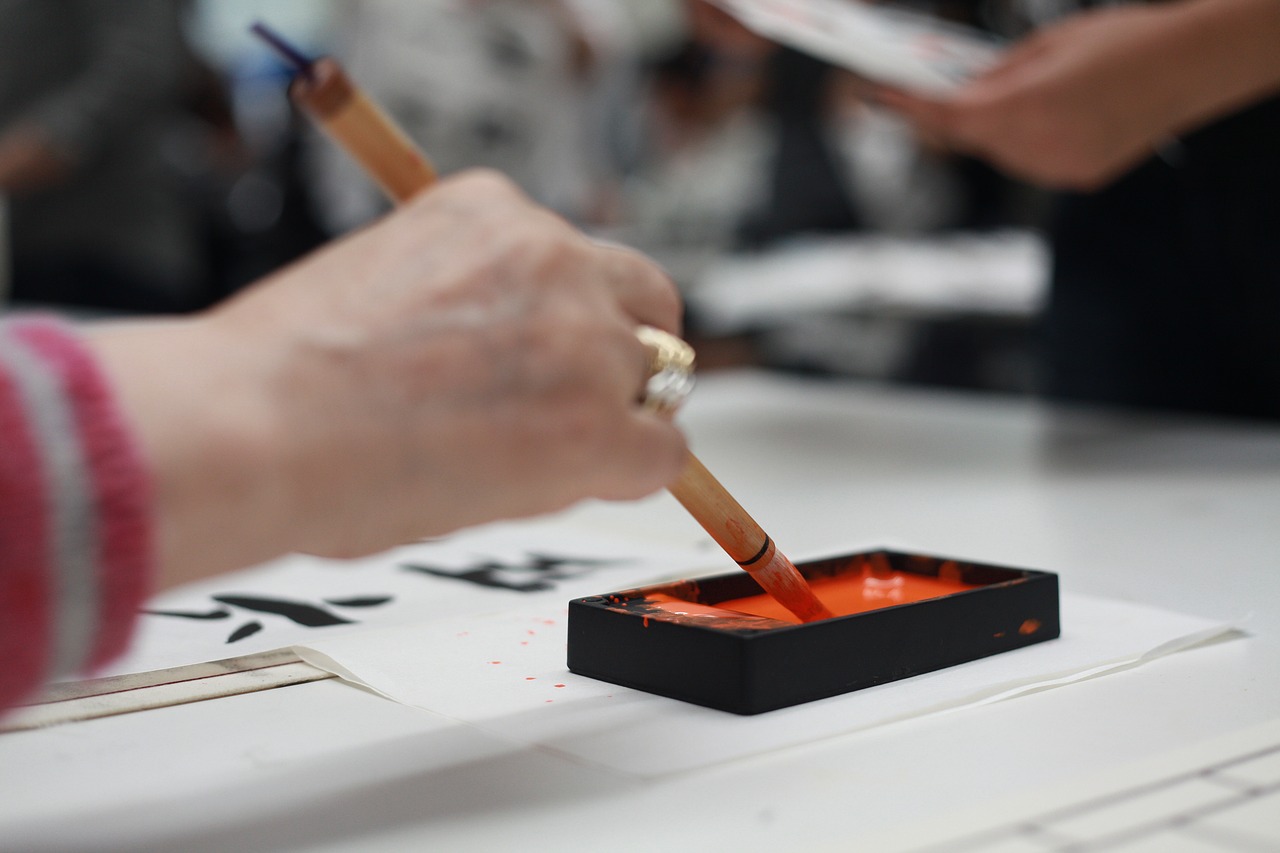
[[750, 149], [747, 143], [662, 124], [506, 84], [90, 92], [1162, 124], [824, 172]]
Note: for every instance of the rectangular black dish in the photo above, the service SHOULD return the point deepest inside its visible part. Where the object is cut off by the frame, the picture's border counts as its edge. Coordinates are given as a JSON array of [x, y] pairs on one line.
[[750, 664]]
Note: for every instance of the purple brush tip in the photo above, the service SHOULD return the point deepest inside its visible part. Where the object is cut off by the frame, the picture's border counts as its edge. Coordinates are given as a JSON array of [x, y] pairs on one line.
[[288, 52]]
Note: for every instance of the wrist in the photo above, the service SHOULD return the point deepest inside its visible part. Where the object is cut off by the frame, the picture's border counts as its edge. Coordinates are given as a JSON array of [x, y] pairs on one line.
[[198, 399]]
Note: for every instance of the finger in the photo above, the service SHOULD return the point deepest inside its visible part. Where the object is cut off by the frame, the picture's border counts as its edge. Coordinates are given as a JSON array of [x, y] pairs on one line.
[[636, 450], [1025, 52], [929, 115], [642, 289], [648, 455]]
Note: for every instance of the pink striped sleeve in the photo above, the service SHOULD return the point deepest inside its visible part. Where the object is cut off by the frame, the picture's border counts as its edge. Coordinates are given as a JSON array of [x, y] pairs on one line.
[[75, 508], [118, 484], [24, 556]]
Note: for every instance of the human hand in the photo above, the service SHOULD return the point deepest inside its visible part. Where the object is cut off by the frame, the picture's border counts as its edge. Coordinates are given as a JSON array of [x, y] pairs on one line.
[[469, 358], [1079, 103]]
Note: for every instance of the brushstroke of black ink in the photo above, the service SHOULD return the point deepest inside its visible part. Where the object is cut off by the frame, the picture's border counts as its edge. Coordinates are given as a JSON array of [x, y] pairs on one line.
[[366, 601], [220, 613], [299, 612], [546, 568], [296, 611]]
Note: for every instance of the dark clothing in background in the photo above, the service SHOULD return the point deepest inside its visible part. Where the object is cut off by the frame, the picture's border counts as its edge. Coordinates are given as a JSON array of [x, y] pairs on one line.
[[105, 79], [1166, 286], [806, 185]]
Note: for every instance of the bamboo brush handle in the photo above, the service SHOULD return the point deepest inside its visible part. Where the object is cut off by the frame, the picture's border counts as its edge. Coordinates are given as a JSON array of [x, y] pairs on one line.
[[362, 129], [745, 541], [731, 526]]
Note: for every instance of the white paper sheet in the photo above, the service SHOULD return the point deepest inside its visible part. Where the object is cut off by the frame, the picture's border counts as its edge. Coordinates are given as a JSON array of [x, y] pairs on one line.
[[887, 44], [506, 674], [553, 560]]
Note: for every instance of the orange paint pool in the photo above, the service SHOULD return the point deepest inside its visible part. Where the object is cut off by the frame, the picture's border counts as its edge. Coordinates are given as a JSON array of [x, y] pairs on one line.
[[853, 592]]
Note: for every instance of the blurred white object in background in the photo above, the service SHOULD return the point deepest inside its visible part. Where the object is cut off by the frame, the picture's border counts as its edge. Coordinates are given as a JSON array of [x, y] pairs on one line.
[[1001, 273], [503, 84], [882, 43]]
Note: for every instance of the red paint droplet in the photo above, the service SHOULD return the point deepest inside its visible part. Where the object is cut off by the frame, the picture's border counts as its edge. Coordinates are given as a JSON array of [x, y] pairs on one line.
[[524, 642], [530, 678], [559, 685], [549, 701], [532, 633], [548, 621], [1029, 627], [999, 635], [495, 661], [646, 621]]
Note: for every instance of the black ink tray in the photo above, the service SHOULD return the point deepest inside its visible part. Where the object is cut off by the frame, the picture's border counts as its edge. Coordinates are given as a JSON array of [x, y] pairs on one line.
[[751, 664]]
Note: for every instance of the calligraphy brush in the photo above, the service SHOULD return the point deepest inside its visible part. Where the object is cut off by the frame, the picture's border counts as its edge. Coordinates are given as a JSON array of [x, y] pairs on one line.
[[343, 111]]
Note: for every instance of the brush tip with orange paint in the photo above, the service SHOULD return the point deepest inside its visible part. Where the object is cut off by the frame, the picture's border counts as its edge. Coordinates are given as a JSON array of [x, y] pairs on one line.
[[734, 530], [781, 579]]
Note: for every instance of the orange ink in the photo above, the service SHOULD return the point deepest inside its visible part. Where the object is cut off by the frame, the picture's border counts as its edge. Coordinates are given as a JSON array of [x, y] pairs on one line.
[[855, 592], [949, 571], [1029, 627], [785, 585]]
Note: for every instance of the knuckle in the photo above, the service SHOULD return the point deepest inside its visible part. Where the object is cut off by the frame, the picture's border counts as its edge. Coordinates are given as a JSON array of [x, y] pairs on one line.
[[489, 182], [670, 305]]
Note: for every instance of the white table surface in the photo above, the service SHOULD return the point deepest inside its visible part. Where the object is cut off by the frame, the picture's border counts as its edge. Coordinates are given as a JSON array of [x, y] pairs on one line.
[[1178, 513]]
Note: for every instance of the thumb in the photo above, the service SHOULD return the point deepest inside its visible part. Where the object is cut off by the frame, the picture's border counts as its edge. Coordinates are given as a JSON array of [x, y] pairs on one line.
[[934, 118], [929, 114]]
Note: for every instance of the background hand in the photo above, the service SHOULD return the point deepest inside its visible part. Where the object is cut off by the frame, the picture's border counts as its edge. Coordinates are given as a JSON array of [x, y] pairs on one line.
[[1081, 102]]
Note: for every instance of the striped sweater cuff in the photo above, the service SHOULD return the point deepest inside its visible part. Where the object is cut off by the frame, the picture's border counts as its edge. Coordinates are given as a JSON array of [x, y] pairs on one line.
[[75, 510]]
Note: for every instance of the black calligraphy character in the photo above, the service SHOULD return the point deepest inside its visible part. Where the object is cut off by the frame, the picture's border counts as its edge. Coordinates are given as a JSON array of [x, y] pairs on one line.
[[544, 568], [298, 612]]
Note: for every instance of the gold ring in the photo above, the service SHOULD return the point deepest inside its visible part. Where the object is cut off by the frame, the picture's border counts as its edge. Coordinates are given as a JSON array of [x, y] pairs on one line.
[[671, 363]]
